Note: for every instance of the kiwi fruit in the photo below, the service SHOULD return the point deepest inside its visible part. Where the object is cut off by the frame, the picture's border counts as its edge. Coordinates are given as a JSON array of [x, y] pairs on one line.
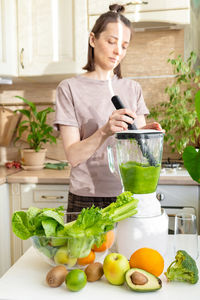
[[56, 276], [94, 271]]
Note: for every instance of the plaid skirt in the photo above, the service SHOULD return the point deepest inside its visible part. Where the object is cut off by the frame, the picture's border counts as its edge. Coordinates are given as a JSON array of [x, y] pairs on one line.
[[77, 203]]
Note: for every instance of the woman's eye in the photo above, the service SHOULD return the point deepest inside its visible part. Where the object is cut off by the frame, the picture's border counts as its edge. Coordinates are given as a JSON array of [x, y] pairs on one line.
[[111, 42]]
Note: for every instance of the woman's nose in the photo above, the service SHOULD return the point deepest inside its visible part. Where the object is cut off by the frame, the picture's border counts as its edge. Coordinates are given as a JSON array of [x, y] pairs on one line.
[[117, 50]]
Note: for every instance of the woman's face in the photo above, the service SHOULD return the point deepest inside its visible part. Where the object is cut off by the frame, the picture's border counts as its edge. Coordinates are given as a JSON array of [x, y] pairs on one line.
[[111, 46]]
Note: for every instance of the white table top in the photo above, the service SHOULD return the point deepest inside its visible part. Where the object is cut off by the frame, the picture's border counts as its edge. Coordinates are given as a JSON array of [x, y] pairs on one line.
[[26, 280]]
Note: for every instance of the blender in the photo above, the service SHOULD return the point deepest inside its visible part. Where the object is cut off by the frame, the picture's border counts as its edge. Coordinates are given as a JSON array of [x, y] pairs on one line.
[[129, 158]]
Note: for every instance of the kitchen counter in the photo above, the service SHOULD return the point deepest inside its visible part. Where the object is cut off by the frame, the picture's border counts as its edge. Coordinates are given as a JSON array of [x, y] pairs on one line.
[[4, 173], [48, 176], [41, 176], [179, 176], [26, 280], [176, 180]]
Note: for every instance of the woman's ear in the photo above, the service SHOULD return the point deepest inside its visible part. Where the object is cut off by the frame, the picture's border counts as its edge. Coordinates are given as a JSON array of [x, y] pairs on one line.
[[92, 39]]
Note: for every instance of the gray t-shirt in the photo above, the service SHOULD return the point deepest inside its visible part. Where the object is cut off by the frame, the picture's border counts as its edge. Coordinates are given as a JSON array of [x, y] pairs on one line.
[[85, 103]]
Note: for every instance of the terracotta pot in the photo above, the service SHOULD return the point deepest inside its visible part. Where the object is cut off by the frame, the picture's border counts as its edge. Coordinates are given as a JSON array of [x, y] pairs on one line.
[[33, 160]]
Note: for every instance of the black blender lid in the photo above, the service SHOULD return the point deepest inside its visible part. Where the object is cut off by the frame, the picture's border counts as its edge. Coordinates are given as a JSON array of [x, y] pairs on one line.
[[138, 134]]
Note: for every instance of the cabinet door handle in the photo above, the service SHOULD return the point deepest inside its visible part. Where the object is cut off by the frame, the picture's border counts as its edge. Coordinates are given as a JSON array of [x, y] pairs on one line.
[[136, 3], [22, 58], [52, 197]]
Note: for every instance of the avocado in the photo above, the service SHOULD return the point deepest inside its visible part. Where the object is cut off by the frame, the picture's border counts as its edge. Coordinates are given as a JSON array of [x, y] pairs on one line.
[[142, 281]]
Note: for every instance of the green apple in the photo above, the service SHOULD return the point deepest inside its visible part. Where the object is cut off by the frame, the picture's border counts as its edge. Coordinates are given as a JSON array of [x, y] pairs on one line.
[[115, 266], [62, 257]]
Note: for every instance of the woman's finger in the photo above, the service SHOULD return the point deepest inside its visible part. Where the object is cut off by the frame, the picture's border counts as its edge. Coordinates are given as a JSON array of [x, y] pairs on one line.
[[126, 111], [153, 125], [119, 124]]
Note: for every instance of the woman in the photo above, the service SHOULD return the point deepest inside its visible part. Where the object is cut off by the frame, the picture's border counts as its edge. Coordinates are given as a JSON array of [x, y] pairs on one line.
[[87, 118]]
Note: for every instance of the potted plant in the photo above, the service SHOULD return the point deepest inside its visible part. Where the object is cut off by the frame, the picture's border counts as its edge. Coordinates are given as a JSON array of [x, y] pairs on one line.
[[191, 155], [178, 116], [38, 134]]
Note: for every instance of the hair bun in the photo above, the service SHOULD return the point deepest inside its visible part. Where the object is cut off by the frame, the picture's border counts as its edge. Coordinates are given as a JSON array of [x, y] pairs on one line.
[[117, 8]]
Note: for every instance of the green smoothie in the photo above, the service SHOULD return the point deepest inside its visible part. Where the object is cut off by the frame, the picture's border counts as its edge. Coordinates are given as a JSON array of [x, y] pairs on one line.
[[139, 178]]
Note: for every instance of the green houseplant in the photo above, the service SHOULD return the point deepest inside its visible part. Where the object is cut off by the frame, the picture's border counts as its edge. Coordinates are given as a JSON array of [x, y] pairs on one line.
[[191, 156], [178, 116], [38, 134]]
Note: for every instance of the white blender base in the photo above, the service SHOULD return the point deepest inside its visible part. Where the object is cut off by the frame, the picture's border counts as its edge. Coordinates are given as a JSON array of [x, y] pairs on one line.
[[137, 232], [148, 228], [148, 205]]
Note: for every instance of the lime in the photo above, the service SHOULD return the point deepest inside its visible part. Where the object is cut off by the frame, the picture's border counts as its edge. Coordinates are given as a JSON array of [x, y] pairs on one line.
[[76, 280]]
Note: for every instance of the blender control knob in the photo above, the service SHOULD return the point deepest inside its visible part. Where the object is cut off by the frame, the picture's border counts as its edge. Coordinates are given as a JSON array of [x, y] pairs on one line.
[[160, 196]]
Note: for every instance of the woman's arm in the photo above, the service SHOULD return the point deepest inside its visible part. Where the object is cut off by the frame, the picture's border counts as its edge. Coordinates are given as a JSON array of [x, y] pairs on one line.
[[78, 151]]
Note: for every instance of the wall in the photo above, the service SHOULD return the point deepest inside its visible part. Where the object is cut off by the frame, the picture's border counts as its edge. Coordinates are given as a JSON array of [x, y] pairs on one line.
[[146, 62]]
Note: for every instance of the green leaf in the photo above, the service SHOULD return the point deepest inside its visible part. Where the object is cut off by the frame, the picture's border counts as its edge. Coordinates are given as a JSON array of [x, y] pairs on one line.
[[21, 129], [54, 215], [52, 139], [20, 225], [49, 226], [41, 116], [25, 112], [32, 212], [191, 159], [197, 104], [30, 104]]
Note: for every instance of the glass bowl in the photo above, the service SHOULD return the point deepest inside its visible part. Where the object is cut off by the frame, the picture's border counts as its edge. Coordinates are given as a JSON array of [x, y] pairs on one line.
[[74, 252]]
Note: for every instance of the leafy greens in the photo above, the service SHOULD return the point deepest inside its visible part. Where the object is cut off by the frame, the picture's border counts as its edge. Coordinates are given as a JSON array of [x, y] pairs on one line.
[[88, 229]]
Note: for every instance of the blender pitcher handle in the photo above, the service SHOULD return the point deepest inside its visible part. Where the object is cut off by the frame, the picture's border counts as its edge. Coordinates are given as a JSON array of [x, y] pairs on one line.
[[111, 161]]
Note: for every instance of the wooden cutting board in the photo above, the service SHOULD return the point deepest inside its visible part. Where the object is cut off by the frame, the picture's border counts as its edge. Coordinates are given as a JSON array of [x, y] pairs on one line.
[[8, 123]]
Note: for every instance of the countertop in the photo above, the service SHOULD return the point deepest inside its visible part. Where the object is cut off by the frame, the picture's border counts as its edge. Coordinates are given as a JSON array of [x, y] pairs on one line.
[[41, 176], [4, 173], [48, 176], [26, 280]]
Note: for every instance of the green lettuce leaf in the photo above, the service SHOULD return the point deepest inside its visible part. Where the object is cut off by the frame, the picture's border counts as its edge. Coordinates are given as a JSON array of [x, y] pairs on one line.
[[49, 226], [20, 225], [53, 215], [37, 222]]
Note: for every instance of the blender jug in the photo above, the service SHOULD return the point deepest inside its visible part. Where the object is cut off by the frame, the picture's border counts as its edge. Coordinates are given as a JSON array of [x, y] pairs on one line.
[[133, 147], [136, 157]]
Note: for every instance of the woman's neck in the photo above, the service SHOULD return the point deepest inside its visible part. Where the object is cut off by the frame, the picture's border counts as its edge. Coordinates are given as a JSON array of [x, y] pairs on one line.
[[99, 74]]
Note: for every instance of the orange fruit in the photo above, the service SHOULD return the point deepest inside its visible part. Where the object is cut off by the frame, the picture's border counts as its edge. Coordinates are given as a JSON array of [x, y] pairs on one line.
[[147, 259], [87, 259], [109, 239]]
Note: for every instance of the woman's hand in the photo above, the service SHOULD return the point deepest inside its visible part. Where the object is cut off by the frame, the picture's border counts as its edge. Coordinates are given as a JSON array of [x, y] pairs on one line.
[[118, 121], [154, 125]]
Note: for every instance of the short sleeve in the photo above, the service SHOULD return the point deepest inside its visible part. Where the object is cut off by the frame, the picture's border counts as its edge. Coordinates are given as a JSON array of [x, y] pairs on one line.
[[64, 107], [141, 106]]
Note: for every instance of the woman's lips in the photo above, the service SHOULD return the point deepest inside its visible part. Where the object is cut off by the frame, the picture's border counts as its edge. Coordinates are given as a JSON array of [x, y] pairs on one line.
[[114, 60]]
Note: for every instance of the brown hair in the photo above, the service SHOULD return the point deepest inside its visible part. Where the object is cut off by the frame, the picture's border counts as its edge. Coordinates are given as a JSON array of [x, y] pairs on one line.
[[112, 16]]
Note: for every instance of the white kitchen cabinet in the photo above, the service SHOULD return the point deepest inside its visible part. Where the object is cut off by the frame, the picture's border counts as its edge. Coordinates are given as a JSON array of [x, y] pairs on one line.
[[22, 196], [96, 7], [52, 36], [167, 11], [43, 37], [5, 255], [8, 38], [176, 197]]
